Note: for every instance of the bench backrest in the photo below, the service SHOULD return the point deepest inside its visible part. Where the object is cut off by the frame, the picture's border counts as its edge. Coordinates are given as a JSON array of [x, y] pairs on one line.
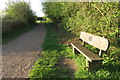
[[96, 41]]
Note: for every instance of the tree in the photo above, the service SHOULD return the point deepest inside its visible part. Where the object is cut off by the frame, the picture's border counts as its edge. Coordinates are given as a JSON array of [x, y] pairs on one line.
[[20, 11]]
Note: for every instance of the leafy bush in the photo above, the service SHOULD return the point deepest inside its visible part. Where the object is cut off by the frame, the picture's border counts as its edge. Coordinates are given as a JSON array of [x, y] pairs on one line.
[[11, 25], [18, 15], [20, 11], [95, 17]]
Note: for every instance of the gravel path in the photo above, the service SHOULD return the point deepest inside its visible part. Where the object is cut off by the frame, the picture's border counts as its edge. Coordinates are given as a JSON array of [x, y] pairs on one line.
[[19, 55]]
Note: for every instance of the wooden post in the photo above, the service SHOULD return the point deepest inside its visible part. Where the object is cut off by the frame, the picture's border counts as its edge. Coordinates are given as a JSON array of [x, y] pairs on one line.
[[73, 50], [83, 43], [87, 63], [100, 52]]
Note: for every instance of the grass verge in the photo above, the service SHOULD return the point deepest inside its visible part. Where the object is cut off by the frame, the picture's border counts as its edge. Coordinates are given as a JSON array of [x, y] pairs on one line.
[[14, 34], [47, 65]]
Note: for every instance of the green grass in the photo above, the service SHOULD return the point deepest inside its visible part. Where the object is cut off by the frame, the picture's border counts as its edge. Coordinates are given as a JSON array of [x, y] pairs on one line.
[[109, 69], [14, 34], [47, 65]]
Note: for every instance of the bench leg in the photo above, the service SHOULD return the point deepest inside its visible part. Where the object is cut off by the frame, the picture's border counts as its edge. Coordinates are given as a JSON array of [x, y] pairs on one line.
[[94, 65], [87, 63], [75, 51]]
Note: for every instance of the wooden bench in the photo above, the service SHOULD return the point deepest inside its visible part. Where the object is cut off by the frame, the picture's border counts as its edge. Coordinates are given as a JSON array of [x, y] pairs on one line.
[[93, 61]]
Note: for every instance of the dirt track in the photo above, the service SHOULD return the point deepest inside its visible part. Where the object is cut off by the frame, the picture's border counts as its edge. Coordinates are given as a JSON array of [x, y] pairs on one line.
[[19, 55]]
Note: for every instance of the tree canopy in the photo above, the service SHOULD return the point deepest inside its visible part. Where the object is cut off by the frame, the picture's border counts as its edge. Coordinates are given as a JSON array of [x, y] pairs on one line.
[[20, 11]]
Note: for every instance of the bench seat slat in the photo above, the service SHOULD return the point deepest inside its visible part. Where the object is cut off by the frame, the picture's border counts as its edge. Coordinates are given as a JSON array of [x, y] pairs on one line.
[[87, 53]]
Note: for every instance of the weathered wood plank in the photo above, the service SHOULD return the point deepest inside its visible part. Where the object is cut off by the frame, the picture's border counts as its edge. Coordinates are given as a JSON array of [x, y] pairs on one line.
[[85, 52], [96, 41]]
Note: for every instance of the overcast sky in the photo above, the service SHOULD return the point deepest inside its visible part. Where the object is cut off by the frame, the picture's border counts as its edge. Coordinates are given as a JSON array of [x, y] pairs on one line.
[[35, 5]]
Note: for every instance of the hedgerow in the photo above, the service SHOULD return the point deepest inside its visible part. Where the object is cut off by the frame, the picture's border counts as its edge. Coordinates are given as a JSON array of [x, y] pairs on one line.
[[99, 18]]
